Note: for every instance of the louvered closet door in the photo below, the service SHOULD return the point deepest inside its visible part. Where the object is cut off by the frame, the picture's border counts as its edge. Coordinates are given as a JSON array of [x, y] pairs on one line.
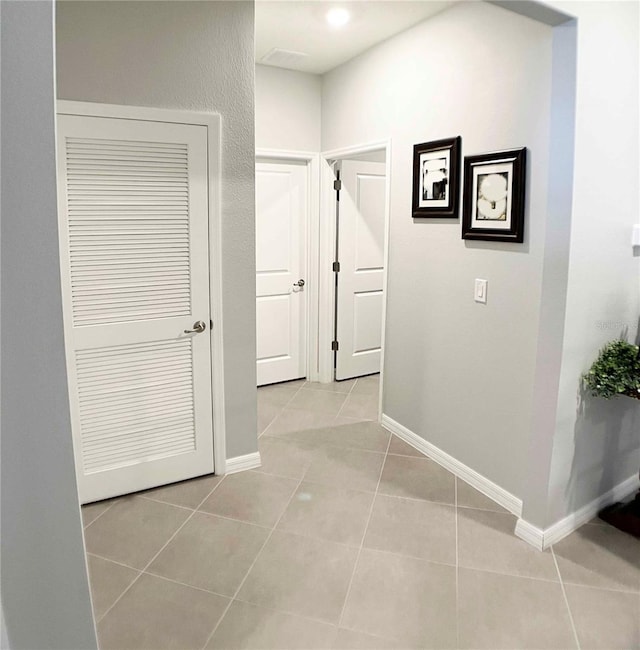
[[134, 257]]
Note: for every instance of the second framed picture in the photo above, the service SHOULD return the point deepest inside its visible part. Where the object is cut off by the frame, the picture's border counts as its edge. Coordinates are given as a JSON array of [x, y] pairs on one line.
[[436, 179], [494, 192]]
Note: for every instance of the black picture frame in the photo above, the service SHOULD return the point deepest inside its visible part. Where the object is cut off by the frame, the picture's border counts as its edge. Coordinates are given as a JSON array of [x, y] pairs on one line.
[[494, 196], [438, 198]]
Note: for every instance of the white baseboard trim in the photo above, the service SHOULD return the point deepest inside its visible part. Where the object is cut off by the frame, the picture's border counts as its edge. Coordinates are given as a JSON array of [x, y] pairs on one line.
[[242, 463], [530, 534], [544, 538], [462, 471]]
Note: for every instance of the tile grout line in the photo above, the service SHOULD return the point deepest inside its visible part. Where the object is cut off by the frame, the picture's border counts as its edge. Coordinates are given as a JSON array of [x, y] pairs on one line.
[[166, 503], [100, 515], [350, 393], [273, 419], [292, 441], [347, 396], [617, 591], [566, 600], [184, 584], [490, 571], [279, 413], [106, 559], [117, 600], [346, 399], [225, 517], [269, 536], [309, 619], [364, 534], [146, 566]]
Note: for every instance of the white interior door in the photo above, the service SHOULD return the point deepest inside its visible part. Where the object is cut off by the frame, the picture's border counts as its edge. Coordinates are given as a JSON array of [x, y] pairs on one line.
[[281, 216], [360, 280], [133, 217]]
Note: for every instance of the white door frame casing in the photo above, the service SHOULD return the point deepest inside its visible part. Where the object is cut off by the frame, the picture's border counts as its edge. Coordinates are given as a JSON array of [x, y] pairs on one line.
[[212, 122], [327, 251], [311, 245]]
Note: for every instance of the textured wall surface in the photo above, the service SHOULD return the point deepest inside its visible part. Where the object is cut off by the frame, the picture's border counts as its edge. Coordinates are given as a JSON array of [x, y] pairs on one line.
[[287, 109], [45, 593], [194, 56]]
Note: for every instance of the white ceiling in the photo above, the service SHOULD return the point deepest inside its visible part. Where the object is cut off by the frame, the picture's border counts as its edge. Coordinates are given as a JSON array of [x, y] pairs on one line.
[[300, 26]]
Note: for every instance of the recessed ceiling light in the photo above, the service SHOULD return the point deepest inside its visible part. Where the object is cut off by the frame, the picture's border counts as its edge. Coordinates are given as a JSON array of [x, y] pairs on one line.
[[338, 17]]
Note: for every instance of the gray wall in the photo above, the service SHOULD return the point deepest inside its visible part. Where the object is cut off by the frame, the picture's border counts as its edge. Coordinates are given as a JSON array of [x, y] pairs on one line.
[[287, 109], [4, 639], [45, 594], [457, 373], [193, 56]]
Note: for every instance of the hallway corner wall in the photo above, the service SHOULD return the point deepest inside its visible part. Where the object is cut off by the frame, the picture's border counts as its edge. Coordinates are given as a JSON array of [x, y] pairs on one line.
[[45, 592], [596, 445]]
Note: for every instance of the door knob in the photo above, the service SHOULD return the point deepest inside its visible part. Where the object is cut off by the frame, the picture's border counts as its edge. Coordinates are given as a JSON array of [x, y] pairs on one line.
[[198, 327], [299, 283]]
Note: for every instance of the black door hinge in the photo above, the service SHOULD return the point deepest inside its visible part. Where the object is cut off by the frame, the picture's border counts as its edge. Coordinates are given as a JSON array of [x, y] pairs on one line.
[[336, 267], [210, 324], [337, 185], [334, 346]]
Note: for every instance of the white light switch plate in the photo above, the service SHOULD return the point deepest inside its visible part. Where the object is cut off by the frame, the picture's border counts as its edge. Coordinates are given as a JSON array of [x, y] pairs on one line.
[[480, 294]]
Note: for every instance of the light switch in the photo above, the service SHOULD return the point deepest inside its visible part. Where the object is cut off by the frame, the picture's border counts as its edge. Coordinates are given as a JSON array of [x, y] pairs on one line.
[[481, 291]]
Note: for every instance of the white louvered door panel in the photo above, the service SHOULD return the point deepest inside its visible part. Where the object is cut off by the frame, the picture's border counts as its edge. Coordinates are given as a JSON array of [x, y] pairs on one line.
[[134, 249]]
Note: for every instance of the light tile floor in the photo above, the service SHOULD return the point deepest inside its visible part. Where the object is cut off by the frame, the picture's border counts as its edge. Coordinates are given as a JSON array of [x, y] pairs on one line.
[[346, 537]]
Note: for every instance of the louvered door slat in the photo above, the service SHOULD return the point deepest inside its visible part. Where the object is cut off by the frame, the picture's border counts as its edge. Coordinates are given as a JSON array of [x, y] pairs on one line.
[[111, 248], [149, 397], [134, 246], [96, 408], [124, 419], [129, 380], [127, 431]]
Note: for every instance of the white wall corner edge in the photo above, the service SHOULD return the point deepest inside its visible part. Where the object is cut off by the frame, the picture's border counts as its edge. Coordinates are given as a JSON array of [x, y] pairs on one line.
[[242, 463], [543, 538], [462, 471], [530, 534]]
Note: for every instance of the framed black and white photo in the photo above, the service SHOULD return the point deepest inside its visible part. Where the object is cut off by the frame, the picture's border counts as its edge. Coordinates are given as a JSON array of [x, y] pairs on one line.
[[436, 179], [494, 191]]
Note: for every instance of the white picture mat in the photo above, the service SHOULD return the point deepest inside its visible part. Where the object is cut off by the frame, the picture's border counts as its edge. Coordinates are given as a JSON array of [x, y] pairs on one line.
[[435, 155], [480, 170]]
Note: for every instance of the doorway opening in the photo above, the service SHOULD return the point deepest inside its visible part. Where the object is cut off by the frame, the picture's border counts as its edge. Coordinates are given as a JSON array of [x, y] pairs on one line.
[[287, 202], [355, 187], [345, 286]]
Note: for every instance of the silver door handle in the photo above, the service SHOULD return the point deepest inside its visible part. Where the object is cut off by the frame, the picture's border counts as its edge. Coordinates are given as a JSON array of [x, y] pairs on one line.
[[198, 327], [299, 283]]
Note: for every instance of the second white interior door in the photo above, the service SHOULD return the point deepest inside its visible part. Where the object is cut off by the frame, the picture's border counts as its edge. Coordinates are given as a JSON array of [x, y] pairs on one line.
[[360, 280], [281, 216]]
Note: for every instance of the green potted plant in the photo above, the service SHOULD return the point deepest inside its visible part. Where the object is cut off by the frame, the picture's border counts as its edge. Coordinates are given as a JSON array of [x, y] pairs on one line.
[[616, 371]]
